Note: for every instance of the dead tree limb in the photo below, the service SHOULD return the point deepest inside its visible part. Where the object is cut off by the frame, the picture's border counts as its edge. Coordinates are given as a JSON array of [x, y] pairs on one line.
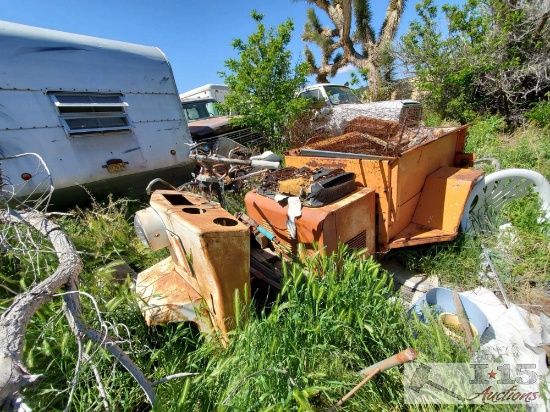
[[73, 313], [14, 321]]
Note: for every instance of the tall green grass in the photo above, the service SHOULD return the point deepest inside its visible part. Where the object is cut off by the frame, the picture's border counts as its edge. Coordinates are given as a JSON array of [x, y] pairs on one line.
[[526, 261], [106, 237], [334, 316]]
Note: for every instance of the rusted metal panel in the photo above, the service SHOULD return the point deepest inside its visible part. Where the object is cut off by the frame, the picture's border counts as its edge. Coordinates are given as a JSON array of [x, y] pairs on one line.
[[406, 211], [205, 128], [167, 297], [464, 159], [415, 234], [410, 172], [348, 220], [461, 139], [440, 207], [398, 183], [443, 197], [210, 251], [374, 174]]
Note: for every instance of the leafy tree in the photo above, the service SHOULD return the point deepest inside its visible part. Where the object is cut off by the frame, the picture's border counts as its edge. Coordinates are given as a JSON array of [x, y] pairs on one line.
[[338, 44], [492, 56], [540, 113], [262, 81]]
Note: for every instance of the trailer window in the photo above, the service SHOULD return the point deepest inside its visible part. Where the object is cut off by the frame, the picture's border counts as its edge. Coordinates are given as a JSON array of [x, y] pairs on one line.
[[84, 113]]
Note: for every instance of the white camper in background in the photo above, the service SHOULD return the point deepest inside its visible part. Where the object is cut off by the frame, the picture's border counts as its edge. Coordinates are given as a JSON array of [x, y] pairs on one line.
[[208, 91], [101, 113]]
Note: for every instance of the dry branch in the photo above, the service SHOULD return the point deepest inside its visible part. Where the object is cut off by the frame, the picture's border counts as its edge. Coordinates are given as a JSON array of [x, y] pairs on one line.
[[14, 321]]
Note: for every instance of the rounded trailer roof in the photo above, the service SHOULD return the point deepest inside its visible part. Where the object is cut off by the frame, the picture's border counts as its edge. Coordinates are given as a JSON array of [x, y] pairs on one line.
[[42, 59]]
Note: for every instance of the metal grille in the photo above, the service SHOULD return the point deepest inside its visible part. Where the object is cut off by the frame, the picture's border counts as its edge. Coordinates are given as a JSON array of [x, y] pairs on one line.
[[85, 113], [359, 241], [245, 137], [289, 248], [411, 116], [267, 225]]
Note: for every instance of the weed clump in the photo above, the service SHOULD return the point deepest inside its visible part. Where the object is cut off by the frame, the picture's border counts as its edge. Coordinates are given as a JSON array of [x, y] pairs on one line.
[[333, 317]]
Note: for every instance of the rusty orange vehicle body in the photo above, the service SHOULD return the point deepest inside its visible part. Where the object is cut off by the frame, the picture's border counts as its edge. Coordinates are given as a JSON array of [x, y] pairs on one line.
[[411, 196], [208, 267], [350, 220], [421, 193]]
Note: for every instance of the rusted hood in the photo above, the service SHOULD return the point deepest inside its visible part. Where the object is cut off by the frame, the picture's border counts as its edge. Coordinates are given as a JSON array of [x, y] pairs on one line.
[[214, 126]]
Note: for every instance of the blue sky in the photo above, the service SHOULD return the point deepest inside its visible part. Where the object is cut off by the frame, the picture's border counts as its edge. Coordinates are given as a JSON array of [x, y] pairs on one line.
[[195, 35]]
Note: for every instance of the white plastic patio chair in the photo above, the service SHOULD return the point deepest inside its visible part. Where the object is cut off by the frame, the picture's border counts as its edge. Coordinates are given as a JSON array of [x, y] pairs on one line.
[[495, 190]]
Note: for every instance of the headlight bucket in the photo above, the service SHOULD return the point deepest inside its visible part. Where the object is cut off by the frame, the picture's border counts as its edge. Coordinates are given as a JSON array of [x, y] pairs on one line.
[[150, 229]]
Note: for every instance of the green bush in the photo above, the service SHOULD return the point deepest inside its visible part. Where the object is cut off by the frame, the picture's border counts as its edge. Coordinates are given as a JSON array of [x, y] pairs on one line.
[[483, 136], [540, 113], [478, 57], [263, 81]]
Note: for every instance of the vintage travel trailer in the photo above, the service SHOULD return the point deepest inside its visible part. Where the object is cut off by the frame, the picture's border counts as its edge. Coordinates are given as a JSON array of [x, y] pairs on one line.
[[99, 113]]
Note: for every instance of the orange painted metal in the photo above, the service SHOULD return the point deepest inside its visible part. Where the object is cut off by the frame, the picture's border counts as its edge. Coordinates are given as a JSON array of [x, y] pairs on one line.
[[399, 181], [416, 197], [167, 297], [439, 207], [349, 220], [409, 171], [209, 264]]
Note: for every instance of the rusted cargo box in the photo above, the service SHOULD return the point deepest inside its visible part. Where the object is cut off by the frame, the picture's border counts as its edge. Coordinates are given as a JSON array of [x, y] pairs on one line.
[[421, 192], [209, 262]]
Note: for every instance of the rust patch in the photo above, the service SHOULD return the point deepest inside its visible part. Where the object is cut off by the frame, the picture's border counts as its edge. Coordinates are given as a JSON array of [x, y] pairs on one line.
[[376, 137], [209, 263], [283, 179], [329, 163], [165, 296], [355, 142]]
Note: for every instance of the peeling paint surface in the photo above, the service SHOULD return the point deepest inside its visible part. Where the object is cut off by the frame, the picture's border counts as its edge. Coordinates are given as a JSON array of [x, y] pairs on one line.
[[209, 262]]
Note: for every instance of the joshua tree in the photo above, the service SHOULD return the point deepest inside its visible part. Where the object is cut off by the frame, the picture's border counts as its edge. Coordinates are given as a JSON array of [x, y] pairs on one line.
[[352, 40]]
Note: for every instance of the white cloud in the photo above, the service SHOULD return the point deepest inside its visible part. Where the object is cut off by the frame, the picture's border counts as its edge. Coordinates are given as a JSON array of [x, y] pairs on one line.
[[347, 68]]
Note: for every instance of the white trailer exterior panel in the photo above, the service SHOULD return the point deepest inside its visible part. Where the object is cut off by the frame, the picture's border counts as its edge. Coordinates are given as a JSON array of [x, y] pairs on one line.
[[208, 91], [81, 103]]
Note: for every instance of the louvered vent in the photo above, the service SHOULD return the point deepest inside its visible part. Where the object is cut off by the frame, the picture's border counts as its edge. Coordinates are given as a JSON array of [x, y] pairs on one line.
[[287, 246], [359, 241]]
